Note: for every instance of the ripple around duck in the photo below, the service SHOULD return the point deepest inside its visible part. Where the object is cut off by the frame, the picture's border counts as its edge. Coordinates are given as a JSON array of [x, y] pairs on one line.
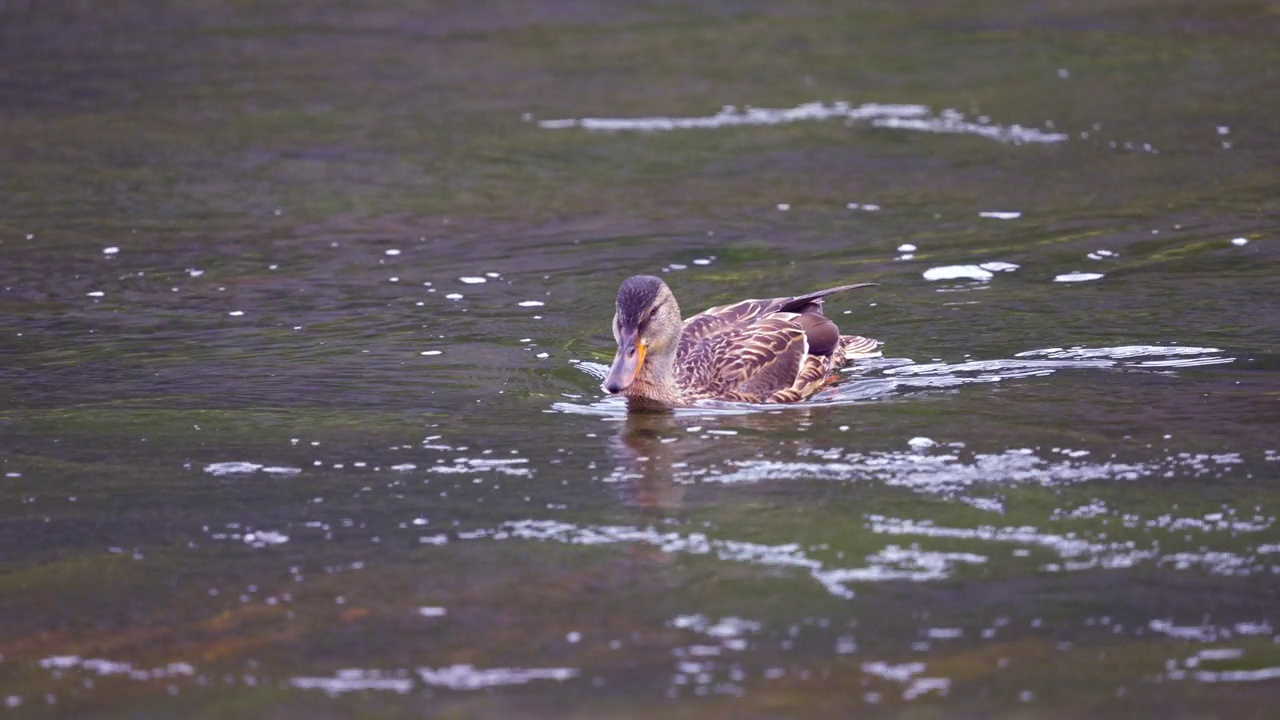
[[884, 378]]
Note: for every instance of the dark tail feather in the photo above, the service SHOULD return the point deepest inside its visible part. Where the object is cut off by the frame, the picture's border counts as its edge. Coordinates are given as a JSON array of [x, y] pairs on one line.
[[821, 333], [799, 303]]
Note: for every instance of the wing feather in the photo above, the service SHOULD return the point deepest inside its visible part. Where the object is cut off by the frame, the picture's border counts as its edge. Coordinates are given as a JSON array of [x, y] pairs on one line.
[[768, 358], [759, 351]]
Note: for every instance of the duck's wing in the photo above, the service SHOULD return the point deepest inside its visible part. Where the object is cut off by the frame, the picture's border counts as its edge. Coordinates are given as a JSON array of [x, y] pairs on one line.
[[719, 320], [751, 364]]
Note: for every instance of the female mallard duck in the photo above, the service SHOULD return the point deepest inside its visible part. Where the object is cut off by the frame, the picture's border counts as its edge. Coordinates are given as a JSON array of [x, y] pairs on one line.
[[763, 351]]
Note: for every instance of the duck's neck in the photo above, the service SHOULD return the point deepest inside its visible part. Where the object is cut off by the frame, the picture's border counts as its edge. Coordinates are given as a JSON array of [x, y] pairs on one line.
[[656, 387]]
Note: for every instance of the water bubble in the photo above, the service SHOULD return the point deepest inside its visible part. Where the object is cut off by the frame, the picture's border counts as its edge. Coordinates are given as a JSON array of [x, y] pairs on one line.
[[1072, 277], [957, 272], [998, 266]]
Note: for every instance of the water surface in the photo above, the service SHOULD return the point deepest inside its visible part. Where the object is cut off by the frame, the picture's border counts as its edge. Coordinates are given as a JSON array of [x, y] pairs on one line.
[[303, 314]]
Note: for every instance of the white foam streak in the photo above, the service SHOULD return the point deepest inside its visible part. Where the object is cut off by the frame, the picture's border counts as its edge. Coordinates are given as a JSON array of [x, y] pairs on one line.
[[263, 538], [901, 117], [104, 667], [232, 468], [890, 564], [468, 677], [1118, 353], [952, 122], [354, 680], [730, 116], [240, 467], [1261, 674], [1066, 547], [895, 673]]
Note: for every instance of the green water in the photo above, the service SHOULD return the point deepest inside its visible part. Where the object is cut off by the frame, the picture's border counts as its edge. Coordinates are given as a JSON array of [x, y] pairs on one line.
[[256, 462]]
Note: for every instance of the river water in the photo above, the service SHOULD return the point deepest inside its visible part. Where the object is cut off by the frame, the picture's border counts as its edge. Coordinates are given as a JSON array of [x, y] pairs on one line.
[[303, 312]]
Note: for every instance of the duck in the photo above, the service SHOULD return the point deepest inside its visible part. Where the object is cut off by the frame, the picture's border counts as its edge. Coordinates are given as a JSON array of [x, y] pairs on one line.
[[778, 350]]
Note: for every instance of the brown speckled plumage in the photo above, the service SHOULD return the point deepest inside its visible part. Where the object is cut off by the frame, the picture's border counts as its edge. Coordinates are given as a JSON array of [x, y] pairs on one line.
[[777, 350]]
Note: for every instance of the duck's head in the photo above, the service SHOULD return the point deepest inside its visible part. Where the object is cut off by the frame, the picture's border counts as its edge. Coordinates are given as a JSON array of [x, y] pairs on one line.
[[647, 327]]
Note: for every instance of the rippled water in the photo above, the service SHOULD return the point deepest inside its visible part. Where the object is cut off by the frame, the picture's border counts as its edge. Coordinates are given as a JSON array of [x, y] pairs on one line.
[[303, 315]]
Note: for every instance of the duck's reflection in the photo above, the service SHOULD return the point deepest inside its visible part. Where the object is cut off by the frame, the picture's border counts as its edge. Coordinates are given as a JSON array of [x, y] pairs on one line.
[[660, 456], [647, 449]]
